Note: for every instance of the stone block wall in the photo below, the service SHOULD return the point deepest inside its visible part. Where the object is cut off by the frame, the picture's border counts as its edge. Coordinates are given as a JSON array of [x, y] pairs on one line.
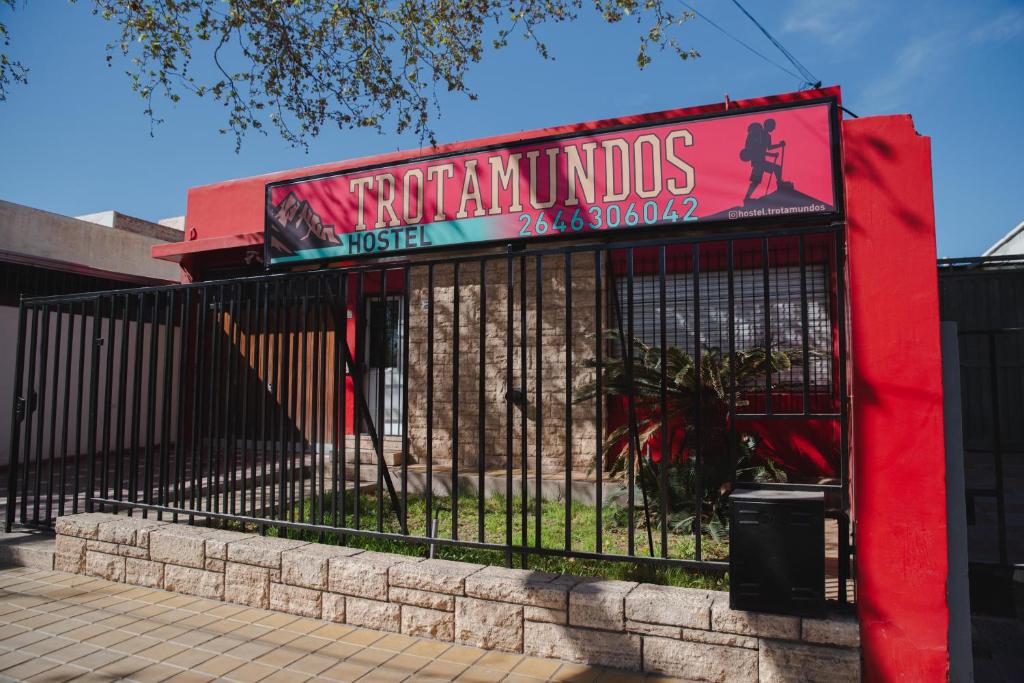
[[689, 633], [552, 367]]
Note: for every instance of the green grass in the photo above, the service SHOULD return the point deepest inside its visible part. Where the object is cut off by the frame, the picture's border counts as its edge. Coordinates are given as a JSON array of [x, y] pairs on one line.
[[552, 532]]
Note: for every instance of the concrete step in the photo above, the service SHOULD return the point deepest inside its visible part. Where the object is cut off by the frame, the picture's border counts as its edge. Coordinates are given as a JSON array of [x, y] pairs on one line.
[[27, 549]]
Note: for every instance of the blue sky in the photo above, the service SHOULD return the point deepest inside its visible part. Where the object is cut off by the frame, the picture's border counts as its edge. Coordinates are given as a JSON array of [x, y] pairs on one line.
[[75, 140]]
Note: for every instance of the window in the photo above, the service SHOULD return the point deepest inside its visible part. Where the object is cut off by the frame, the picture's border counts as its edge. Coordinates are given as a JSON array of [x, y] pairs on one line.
[[749, 303]]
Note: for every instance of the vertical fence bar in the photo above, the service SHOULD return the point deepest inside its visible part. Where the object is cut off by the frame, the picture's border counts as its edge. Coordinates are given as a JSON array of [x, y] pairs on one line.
[[568, 400], [303, 395], [165, 415], [767, 326], [538, 400], [80, 407], [231, 359], [108, 388], [509, 380], [18, 407], [342, 342], [186, 369], [381, 353], [666, 438], [249, 367], [280, 396], [93, 399], [54, 393], [844, 419], [359, 387], [133, 470], [147, 496], [598, 400], [266, 385], [406, 274], [44, 357], [65, 425], [804, 326], [524, 465], [296, 383], [213, 443], [698, 452], [201, 345], [631, 409], [122, 385], [322, 397], [481, 455], [456, 293], [429, 492], [30, 409]]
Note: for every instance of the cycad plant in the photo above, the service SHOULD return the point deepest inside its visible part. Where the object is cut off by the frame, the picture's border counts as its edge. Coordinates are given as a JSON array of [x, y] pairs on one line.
[[728, 455]]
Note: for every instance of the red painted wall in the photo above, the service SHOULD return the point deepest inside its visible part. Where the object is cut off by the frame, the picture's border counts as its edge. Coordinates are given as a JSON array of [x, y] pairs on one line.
[[896, 383]]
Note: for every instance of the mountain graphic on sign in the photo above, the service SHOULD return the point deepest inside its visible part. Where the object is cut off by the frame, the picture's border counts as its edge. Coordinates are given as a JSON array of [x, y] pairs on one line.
[[784, 201], [295, 226]]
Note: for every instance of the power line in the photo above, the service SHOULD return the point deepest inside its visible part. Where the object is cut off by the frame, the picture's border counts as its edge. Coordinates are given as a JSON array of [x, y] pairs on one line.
[[748, 47], [809, 78]]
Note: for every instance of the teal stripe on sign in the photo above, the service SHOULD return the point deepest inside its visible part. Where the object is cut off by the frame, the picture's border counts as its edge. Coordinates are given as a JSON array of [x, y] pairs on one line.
[[393, 240]]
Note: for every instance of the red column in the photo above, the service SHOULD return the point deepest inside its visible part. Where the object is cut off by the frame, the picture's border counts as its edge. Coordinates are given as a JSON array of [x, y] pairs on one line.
[[896, 371]]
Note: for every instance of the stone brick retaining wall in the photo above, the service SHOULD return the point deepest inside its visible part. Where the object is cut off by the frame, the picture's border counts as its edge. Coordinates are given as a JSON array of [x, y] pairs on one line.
[[676, 631]]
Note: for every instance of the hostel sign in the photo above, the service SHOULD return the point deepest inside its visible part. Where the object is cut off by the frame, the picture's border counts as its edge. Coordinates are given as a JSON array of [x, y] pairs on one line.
[[766, 164]]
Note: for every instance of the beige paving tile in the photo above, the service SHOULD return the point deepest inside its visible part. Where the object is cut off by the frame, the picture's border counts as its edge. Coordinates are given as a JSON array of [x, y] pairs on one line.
[[278, 637], [312, 664], [251, 631], [251, 650], [30, 668], [394, 642], [219, 665], [98, 659], [345, 671], [277, 620], [362, 637], [613, 676], [227, 611], [499, 661], [193, 637], [476, 675], [10, 659], [338, 650], [221, 644], [332, 631], [282, 676], [461, 654], [22, 639], [46, 646], [190, 658], [537, 668], [576, 672], [441, 670], [408, 663], [86, 632], [371, 657], [431, 649], [250, 672], [124, 667], [135, 644], [521, 678], [190, 677], [161, 651], [72, 652], [280, 657], [109, 638], [154, 673], [61, 674], [384, 675]]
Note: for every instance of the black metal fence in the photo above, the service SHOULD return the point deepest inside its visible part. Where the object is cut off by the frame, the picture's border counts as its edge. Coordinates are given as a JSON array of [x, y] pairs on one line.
[[983, 296], [594, 400]]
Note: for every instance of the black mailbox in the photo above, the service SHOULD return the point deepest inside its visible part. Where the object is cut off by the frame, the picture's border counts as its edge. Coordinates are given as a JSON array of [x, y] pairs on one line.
[[777, 552]]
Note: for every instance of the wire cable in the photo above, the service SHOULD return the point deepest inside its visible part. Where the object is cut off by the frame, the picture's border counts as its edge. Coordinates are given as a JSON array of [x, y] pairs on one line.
[[809, 79], [734, 38]]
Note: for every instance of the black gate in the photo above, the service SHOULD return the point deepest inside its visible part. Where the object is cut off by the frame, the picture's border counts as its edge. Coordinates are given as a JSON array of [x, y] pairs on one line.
[[985, 297], [596, 400]]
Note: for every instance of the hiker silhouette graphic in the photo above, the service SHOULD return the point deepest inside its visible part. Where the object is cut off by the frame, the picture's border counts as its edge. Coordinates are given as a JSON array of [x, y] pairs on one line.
[[758, 151]]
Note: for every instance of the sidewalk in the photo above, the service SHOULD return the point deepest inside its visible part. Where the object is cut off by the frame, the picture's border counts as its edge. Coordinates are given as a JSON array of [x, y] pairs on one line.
[[61, 627]]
